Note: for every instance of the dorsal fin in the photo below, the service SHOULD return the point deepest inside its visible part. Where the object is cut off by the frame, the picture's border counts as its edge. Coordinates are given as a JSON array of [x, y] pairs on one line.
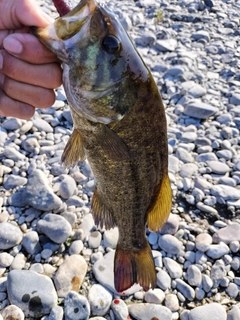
[[159, 213]]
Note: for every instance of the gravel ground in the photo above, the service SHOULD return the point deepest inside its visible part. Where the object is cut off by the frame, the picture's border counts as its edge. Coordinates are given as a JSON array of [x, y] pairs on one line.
[[55, 263]]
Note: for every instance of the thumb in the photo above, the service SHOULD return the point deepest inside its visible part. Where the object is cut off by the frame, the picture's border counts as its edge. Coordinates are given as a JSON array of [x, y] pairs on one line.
[[19, 13]]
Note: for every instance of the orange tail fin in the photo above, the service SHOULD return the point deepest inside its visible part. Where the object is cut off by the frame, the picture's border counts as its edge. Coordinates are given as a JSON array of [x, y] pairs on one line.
[[134, 266]]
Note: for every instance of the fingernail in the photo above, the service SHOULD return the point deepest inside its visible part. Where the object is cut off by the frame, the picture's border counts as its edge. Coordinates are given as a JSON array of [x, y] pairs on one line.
[[12, 45], [1, 61]]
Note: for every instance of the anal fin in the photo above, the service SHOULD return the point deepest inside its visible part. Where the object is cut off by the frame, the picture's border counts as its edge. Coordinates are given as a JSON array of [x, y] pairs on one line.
[[101, 213], [73, 151], [134, 266], [159, 213]]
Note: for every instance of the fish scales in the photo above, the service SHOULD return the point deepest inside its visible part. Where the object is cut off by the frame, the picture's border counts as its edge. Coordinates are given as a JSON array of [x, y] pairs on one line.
[[120, 127]]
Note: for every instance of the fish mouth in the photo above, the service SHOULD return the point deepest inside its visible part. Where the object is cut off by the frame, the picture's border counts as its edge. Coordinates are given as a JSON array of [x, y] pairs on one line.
[[65, 27]]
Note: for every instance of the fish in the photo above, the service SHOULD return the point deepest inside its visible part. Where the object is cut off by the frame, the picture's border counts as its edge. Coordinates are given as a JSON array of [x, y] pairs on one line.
[[119, 125]]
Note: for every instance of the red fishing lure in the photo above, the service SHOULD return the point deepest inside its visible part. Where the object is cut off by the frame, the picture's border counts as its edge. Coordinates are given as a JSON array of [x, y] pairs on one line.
[[61, 6]]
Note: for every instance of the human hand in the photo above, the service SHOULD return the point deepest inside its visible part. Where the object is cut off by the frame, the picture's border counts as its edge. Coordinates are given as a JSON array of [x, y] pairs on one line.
[[28, 70]]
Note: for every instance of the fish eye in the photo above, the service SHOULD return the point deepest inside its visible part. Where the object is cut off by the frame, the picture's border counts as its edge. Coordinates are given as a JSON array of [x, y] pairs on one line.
[[111, 44]]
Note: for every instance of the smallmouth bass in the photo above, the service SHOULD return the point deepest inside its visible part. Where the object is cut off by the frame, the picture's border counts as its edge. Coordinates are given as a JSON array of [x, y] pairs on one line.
[[120, 127]]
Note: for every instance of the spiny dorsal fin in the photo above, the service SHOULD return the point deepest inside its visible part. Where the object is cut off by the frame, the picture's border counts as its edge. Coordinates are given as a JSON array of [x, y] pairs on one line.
[[158, 215], [113, 145], [73, 151], [101, 213]]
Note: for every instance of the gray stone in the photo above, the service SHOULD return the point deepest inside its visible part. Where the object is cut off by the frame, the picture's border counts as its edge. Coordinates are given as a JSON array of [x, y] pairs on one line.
[[185, 289], [173, 164], [154, 296], [5, 259], [42, 125], [120, 309], [208, 156], [12, 312], [10, 235], [94, 239], [87, 224], [110, 238], [38, 193], [216, 251], [188, 169], [170, 244], [171, 302], [201, 34], [11, 124], [166, 45], [70, 275], [203, 241], [225, 192], [31, 243], [198, 109], [12, 153], [163, 280], [55, 227], [232, 290], [67, 187], [33, 293], [214, 311], [55, 314], [184, 155], [218, 272], [76, 307], [218, 167], [75, 247], [173, 268], [228, 234], [100, 300], [19, 262], [234, 313], [171, 225], [31, 144], [146, 311], [12, 181], [194, 276]]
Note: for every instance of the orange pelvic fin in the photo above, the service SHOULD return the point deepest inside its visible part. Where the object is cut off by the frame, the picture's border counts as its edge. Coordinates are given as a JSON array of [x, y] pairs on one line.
[[134, 266], [73, 151], [101, 213], [159, 213]]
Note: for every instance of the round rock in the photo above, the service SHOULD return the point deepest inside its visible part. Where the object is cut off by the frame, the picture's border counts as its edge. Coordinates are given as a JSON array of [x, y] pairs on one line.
[[67, 187], [70, 275], [203, 241], [194, 276], [12, 312], [31, 243], [76, 307], [154, 296], [33, 293], [173, 268], [110, 238], [146, 311], [171, 302], [120, 309], [55, 227], [170, 244], [10, 235], [100, 300], [214, 311]]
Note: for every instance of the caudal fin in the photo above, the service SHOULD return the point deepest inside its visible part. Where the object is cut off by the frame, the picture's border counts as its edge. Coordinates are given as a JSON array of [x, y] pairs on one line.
[[134, 266]]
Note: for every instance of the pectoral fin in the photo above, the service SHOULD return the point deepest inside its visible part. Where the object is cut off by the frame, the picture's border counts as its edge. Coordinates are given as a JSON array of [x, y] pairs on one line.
[[73, 151], [101, 213], [113, 145], [159, 213]]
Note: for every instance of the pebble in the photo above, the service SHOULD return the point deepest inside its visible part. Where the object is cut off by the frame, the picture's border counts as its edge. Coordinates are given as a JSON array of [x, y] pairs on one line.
[[94, 239], [70, 275], [12, 312], [207, 283], [234, 313], [216, 251], [120, 309], [171, 302], [10, 235], [100, 300], [5, 259], [194, 276], [198, 109], [213, 310], [174, 269], [55, 227], [31, 243], [67, 187], [163, 280], [33, 293], [14, 181], [76, 307], [217, 273], [171, 226], [75, 247], [110, 238], [170, 244], [185, 289], [146, 311], [228, 234], [203, 241], [154, 296], [55, 314]]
